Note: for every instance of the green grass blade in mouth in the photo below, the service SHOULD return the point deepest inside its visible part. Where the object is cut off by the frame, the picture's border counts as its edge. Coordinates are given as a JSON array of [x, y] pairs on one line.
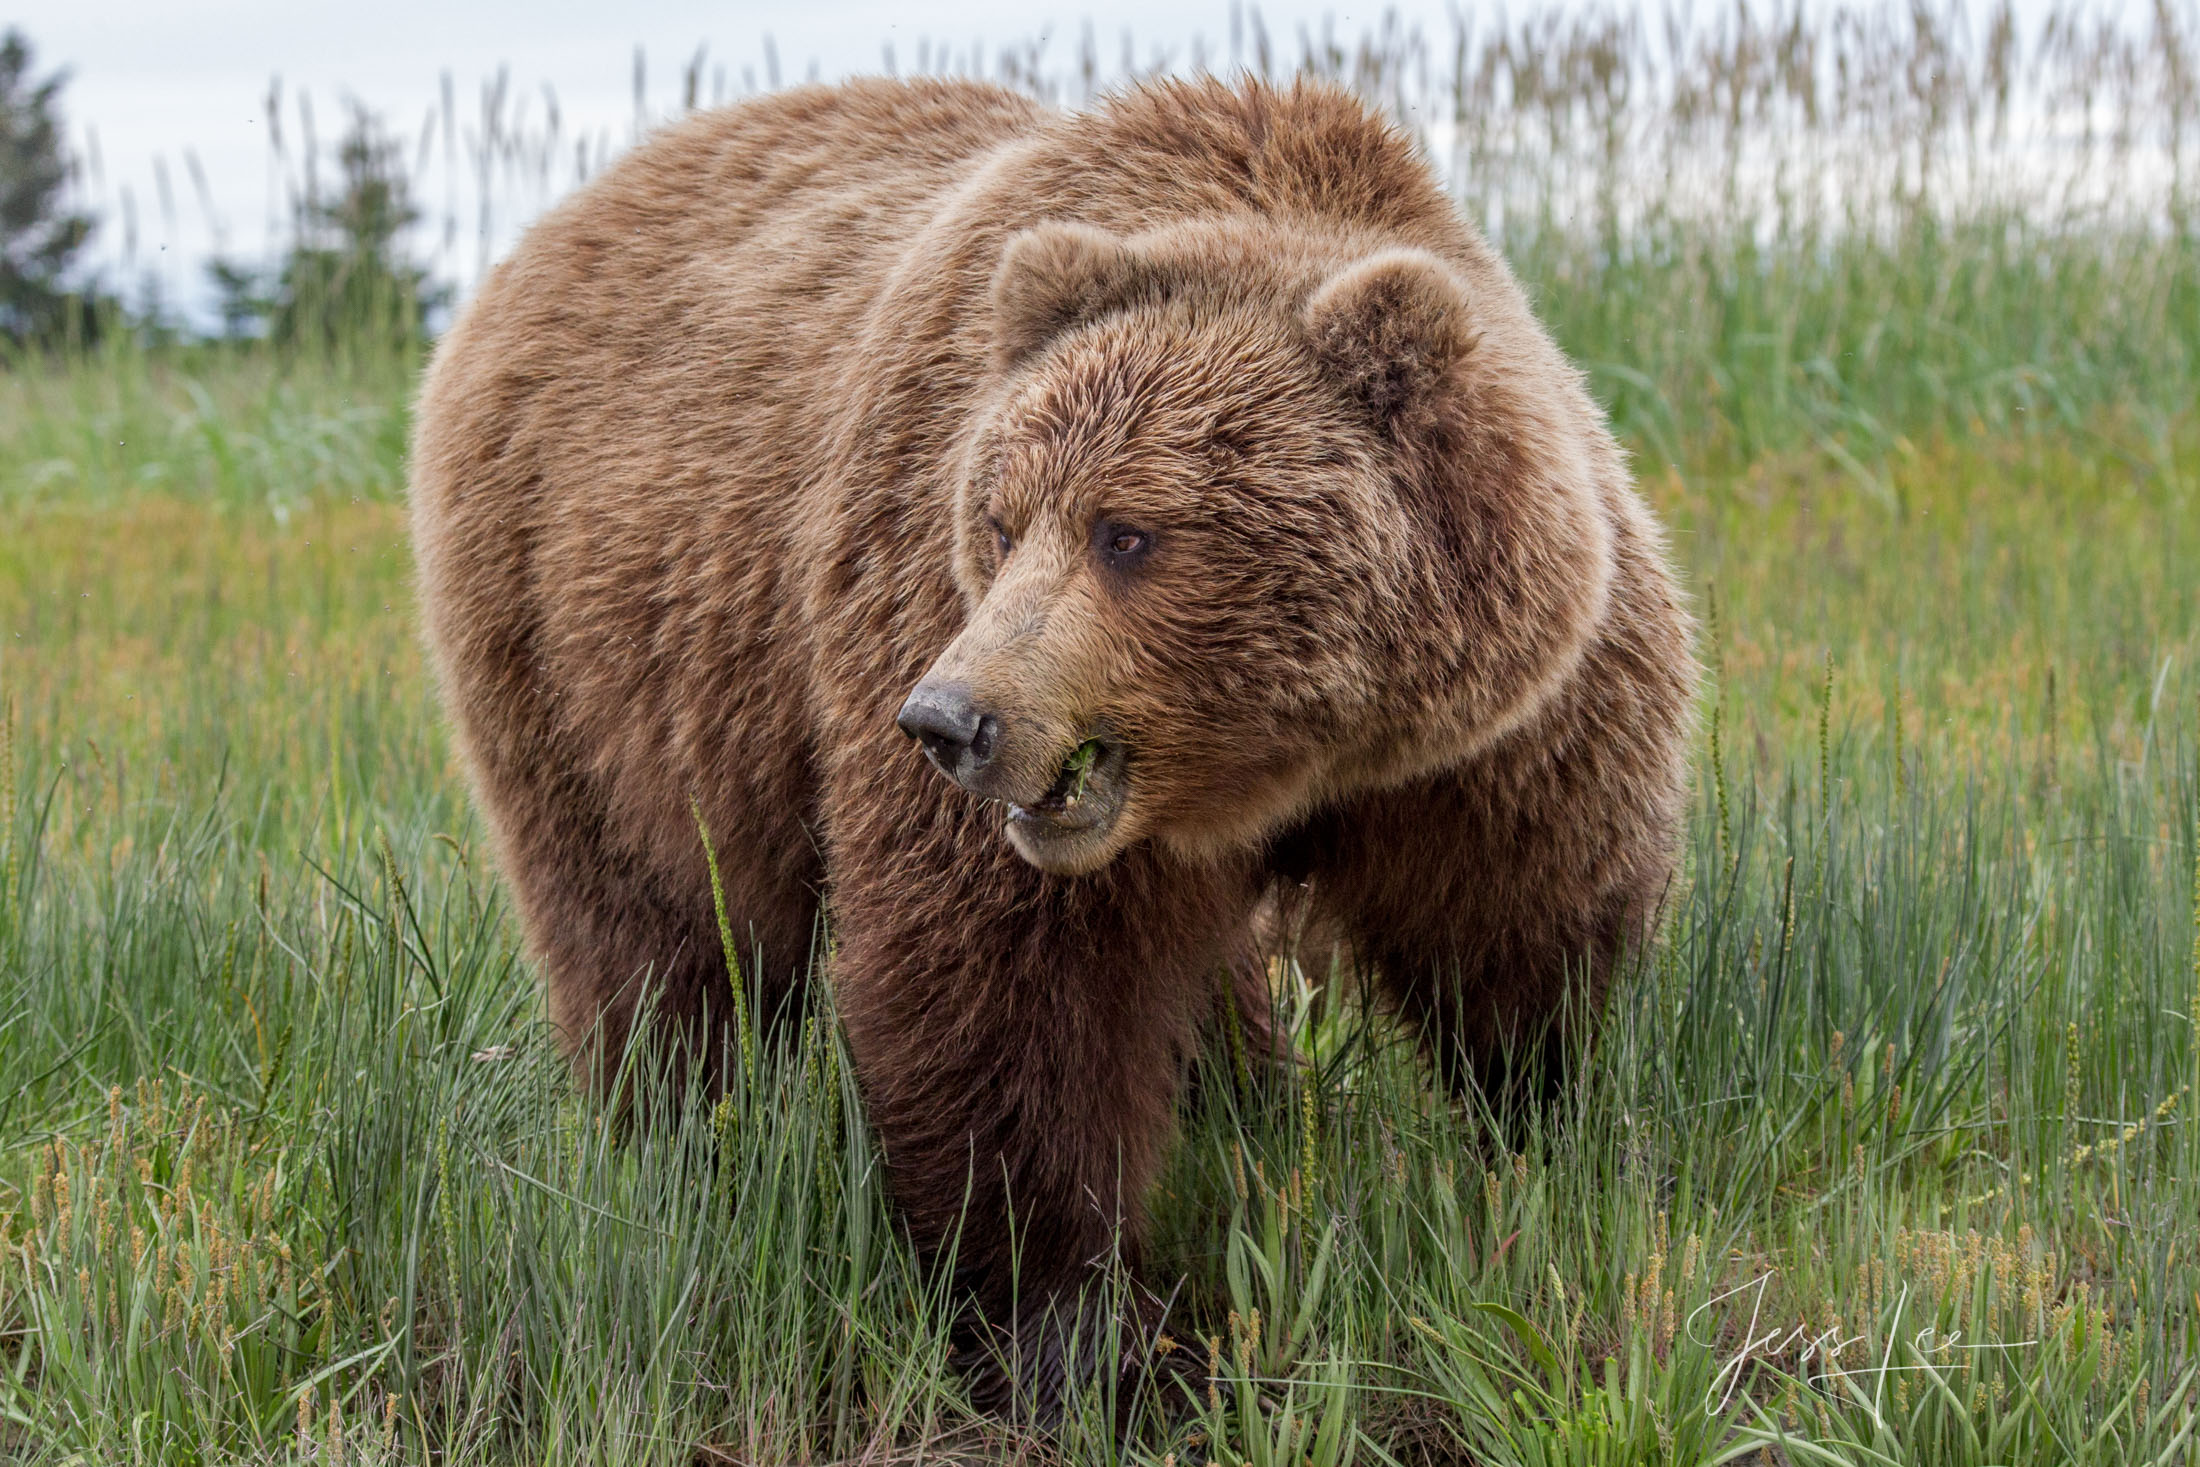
[[1078, 769]]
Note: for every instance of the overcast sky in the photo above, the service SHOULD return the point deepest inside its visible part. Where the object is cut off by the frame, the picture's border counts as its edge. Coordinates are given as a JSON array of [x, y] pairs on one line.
[[156, 83]]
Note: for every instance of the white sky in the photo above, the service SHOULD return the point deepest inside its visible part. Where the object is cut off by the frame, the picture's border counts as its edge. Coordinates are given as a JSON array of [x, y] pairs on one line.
[[154, 80]]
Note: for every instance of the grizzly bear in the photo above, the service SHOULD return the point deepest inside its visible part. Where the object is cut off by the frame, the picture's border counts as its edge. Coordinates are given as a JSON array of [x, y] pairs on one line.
[[1034, 540]]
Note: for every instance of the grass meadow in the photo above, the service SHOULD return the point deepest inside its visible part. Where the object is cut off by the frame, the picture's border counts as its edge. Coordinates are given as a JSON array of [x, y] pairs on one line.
[[1885, 1155]]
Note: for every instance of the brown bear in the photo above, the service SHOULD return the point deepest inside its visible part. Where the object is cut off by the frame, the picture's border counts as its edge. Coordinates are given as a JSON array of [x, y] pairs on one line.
[[1184, 479]]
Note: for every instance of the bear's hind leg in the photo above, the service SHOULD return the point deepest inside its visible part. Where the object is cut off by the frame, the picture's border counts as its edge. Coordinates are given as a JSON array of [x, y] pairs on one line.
[[616, 943]]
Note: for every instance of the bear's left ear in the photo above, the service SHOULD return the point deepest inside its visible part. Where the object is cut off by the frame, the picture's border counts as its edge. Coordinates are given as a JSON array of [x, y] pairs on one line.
[[1058, 276], [1389, 329]]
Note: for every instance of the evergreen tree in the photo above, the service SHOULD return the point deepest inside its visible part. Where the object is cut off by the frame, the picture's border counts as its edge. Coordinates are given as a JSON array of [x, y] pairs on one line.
[[40, 235], [345, 278]]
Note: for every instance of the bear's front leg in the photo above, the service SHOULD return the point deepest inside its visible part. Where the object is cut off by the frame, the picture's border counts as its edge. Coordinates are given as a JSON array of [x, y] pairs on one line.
[[1020, 1039]]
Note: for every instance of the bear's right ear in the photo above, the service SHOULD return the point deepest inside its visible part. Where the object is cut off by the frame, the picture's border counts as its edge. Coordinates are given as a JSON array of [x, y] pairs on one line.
[[1055, 277]]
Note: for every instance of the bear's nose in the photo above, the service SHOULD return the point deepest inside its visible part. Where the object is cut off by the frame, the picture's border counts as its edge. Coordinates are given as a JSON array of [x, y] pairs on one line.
[[955, 732]]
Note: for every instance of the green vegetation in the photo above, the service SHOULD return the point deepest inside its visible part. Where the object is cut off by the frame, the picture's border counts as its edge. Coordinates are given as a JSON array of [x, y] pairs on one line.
[[1885, 1156], [345, 278]]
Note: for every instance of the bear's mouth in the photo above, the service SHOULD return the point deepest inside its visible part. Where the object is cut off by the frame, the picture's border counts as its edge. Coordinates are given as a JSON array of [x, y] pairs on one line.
[[1077, 810]]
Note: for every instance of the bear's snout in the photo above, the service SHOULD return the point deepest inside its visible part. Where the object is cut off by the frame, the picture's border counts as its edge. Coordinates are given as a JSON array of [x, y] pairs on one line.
[[958, 736]]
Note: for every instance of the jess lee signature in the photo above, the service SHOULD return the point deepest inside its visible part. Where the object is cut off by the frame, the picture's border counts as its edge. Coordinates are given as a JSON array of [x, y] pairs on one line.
[[1823, 1347]]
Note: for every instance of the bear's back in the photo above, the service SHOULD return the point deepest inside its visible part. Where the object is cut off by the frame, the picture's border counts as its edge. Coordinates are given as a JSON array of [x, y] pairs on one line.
[[683, 471]]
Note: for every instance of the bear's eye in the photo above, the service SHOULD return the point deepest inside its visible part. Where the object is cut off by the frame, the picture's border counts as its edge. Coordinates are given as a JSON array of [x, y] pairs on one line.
[[1000, 538], [1123, 543]]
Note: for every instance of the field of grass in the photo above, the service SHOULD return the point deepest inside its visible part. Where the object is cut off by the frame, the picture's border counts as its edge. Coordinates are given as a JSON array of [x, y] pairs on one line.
[[1885, 1155]]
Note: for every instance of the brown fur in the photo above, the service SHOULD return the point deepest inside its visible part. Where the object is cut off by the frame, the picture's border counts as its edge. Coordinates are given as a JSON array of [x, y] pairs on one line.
[[709, 476]]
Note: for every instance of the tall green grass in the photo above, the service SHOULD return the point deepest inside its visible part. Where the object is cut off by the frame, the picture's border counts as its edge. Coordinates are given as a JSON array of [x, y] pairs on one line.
[[1885, 1154], [1882, 1155]]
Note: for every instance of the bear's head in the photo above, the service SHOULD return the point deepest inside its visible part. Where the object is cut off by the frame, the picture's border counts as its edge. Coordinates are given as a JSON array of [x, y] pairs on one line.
[[1252, 518]]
